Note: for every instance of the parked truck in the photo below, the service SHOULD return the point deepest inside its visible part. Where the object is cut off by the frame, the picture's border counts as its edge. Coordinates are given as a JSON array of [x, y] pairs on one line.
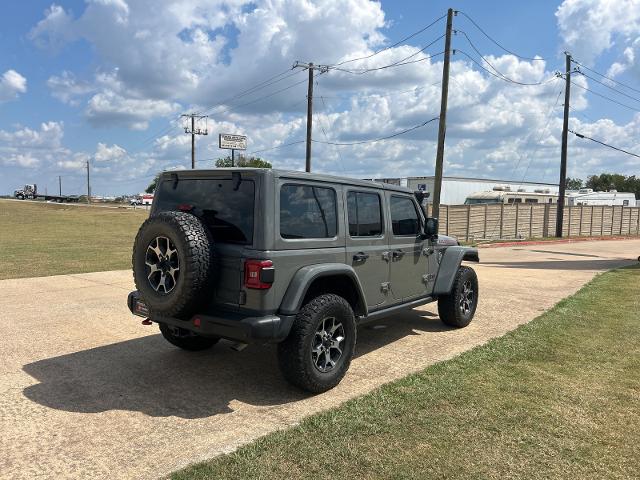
[[30, 192]]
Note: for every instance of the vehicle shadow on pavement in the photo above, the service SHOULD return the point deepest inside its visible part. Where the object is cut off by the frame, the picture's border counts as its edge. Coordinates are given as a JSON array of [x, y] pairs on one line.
[[561, 264], [151, 376]]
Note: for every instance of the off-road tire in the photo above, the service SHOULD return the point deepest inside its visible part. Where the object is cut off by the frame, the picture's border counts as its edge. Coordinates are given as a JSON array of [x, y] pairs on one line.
[[186, 340], [449, 306], [195, 253], [294, 353]]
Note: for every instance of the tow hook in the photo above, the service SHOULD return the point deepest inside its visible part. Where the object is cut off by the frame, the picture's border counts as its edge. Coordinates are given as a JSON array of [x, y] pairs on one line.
[[146, 321]]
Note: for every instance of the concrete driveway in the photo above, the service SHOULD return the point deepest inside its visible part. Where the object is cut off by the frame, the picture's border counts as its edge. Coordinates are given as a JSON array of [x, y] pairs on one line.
[[86, 391]]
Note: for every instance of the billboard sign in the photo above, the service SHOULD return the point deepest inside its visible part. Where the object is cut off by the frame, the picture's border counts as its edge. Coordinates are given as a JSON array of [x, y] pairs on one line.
[[232, 141]]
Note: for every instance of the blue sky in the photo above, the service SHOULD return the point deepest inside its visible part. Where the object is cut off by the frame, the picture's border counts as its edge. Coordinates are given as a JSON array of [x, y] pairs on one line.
[[106, 81]]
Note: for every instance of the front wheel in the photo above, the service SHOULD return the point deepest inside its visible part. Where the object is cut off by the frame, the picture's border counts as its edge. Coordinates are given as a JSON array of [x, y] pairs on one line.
[[185, 339], [317, 353], [458, 308]]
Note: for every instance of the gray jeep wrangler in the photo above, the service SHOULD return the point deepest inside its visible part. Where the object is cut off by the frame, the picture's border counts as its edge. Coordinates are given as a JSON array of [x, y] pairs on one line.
[[298, 259]]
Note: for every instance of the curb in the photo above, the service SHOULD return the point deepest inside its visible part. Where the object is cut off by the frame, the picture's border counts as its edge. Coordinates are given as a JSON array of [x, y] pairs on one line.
[[550, 242]]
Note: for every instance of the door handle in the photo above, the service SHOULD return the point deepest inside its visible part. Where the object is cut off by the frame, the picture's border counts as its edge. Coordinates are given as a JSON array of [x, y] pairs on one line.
[[398, 254], [360, 257]]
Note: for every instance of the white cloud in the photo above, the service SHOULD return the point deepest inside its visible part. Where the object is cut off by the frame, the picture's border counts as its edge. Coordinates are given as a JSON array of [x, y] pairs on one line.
[[590, 27], [109, 109], [67, 88], [11, 85]]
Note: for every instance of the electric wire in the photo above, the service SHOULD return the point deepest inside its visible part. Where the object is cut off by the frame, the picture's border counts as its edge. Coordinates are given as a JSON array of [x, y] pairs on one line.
[[496, 42], [497, 73], [580, 135], [573, 60], [324, 133], [403, 61], [395, 64], [392, 46], [608, 86], [361, 142], [276, 147], [605, 97]]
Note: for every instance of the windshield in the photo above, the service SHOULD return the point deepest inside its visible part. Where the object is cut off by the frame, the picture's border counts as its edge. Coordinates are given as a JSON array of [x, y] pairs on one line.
[[227, 212]]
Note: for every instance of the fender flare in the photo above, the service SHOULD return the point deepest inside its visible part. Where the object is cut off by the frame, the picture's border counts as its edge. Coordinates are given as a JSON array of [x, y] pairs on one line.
[[449, 264], [303, 278]]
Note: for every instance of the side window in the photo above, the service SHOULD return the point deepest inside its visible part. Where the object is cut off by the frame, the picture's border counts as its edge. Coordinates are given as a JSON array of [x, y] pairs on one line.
[[365, 214], [307, 212], [404, 218], [625, 203]]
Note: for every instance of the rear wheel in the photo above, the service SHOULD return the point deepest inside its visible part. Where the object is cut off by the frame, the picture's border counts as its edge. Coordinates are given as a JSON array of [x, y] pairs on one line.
[[458, 308], [185, 339], [318, 351]]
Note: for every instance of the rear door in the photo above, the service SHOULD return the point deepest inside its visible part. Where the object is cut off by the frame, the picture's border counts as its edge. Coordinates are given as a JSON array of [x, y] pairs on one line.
[[408, 265], [367, 242], [227, 210]]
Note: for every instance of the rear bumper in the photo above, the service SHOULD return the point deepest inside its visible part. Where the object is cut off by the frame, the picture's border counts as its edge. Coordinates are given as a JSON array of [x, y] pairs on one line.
[[230, 325]]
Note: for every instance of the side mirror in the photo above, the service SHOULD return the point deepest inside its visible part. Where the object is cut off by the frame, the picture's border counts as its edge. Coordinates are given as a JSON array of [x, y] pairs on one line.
[[421, 196], [431, 228]]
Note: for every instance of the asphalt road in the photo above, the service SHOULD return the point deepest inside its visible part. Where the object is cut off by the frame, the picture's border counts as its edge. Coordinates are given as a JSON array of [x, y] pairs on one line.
[[86, 391]]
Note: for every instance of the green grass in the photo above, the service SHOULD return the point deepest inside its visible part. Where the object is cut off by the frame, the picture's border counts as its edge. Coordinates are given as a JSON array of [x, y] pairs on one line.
[[48, 239], [556, 398]]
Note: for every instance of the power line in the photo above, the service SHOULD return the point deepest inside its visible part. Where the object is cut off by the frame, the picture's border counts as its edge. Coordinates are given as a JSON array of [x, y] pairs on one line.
[[604, 76], [497, 73], [605, 97], [276, 147], [384, 95], [394, 45], [324, 133], [395, 64], [235, 107], [265, 83], [378, 139], [251, 90], [608, 86], [580, 135], [496, 42], [360, 71]]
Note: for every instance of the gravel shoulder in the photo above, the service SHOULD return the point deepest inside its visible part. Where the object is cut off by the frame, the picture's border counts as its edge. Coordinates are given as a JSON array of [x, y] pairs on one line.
[[87, 391]]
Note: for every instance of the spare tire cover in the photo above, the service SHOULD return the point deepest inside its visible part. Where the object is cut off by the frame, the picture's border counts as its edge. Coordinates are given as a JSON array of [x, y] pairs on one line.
[[172, 263]]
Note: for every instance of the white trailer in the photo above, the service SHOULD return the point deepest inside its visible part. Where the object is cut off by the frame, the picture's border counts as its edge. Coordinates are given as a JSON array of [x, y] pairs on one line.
[[586, 196]]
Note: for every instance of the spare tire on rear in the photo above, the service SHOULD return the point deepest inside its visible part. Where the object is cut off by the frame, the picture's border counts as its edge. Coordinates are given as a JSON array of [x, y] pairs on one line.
[[172, 263]]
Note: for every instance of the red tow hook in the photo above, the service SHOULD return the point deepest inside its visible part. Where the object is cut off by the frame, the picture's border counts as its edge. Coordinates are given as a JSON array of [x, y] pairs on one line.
[[146, 321]]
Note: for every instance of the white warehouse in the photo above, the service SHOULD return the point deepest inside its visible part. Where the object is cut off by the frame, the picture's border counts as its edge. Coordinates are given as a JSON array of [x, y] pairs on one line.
[[456, 189]]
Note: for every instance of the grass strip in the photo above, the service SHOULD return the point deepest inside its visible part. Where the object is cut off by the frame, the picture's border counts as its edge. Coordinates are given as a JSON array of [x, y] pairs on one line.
[[558, 397], [41, 239]]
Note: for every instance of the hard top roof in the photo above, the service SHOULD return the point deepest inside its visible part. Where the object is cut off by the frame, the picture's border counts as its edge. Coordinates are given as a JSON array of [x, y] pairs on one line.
[[292, 174]]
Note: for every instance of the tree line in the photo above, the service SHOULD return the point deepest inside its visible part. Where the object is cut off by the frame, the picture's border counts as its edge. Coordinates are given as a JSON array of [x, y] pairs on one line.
[[607, 181]]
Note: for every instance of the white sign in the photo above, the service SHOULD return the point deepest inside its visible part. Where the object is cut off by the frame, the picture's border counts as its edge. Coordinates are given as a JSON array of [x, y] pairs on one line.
[[233, 142]]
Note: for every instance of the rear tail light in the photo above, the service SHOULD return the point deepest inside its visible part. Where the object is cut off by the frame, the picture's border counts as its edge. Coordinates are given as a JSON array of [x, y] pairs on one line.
[[258, 274]]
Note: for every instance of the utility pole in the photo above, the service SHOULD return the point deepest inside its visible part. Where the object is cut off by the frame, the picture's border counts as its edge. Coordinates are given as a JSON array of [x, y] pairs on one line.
[[563, 154], [190, 127], [310, 67], [60, 184], [442, 127], [88, 185]]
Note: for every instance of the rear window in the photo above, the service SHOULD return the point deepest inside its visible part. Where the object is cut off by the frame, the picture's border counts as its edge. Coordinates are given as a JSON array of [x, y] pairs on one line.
[[307, 212], [227, 212]]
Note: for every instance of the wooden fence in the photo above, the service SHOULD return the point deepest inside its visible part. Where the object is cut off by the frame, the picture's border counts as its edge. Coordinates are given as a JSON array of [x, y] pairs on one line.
[[498, 221]]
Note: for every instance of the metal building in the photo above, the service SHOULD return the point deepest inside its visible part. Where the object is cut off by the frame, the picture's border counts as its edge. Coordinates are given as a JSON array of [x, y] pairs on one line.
[[456, 189]]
